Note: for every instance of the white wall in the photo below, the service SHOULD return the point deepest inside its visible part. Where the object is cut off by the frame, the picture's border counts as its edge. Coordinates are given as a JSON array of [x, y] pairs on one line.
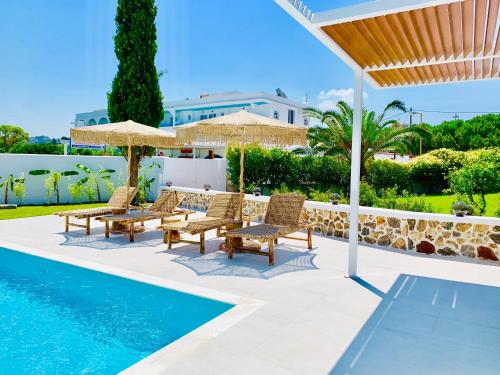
[[184, 172], [194, 173]]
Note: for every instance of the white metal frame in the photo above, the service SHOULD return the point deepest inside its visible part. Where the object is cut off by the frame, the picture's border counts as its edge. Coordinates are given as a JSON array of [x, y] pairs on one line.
[[295, 9], [352, 265], [372, 9]]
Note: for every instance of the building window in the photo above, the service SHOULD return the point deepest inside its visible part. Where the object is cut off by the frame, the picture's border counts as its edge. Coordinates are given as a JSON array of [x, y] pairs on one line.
[[222, 114], [306, 121], [92, 122], [203, 117], [189, 117], [291, 116], [212, 115], [103, 120], [276, 115]]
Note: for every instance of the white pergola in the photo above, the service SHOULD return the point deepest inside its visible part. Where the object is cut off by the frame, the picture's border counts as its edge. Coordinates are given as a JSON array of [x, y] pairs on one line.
[[402, 43]]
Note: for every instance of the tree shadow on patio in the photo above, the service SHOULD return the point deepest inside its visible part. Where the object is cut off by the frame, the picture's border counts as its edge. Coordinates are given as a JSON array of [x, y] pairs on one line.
[[214, 262], [426, 326], [96, 240]]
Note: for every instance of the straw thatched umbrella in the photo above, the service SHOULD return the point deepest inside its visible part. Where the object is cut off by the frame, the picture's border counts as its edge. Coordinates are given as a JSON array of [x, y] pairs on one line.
[[127, 133], [241, 128]]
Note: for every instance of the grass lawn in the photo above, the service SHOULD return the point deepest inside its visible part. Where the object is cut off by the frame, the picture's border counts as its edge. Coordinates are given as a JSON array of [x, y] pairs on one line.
[[442, 203], [28, 211]]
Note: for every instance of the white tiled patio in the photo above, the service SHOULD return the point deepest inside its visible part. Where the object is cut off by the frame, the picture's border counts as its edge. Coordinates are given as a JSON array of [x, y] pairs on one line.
[[419, 314]]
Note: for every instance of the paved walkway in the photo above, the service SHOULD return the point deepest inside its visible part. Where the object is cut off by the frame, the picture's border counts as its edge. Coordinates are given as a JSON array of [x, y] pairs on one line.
[[407, 314]]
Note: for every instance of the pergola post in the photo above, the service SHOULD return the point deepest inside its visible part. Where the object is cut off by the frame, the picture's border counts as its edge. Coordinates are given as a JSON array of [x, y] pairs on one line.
[[355, 172]]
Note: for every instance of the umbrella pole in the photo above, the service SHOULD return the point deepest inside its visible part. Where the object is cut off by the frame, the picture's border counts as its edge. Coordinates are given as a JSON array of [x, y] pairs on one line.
[[129, 170], [242, 158]]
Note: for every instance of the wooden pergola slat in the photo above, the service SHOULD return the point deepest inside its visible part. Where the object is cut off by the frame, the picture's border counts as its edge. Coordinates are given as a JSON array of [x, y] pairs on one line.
[[444, 37]]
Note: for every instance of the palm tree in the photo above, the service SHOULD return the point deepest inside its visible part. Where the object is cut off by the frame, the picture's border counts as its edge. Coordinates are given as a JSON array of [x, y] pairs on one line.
[[379, 134]]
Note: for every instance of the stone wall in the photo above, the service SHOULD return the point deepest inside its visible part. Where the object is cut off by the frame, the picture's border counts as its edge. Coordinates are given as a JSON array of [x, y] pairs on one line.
[[447, 235]]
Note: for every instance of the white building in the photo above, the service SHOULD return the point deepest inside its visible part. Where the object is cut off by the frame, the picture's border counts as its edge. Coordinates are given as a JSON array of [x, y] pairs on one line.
[[213, 105]]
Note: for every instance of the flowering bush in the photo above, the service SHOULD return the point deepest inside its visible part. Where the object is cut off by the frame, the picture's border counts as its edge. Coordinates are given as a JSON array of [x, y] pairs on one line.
[[428, 174]]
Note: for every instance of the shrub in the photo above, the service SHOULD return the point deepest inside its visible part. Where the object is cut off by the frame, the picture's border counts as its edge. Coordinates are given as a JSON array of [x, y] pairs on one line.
[[480, 177], [367, 194], [270, 169], [451, 160], [326, 196], [334, 171], [32, 148], [76, 191], [387, 173], [256, 166], [491, 154], [408, 202], [428, 174]]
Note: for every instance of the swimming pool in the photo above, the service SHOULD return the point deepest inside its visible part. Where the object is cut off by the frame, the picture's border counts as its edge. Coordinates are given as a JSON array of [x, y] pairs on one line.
[[60, 318]]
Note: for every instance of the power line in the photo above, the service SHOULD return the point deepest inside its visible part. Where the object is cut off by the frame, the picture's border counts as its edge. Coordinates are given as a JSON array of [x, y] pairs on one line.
[[400, 114], [454, 112]]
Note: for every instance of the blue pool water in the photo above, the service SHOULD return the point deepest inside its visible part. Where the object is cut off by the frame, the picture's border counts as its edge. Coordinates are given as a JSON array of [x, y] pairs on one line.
[[56, 318]]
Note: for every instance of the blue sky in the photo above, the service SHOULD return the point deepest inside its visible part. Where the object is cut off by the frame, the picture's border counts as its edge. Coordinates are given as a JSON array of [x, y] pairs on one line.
[[57, 59]]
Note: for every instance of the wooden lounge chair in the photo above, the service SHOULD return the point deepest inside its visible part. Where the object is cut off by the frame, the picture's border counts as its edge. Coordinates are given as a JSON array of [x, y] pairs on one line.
[[282, 219], [118, 201], [165, 206], [222, 211]]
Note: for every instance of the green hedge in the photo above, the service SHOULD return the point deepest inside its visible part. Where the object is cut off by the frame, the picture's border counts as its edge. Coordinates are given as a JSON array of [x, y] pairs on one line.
[[275, 168], [382, 174], [279, 169]]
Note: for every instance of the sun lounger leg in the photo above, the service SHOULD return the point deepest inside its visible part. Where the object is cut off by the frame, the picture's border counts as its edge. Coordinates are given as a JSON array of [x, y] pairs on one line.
[[271, 252], [66, 224], [229, 248], [309, 238], [132, 232], [87, 224], [106, 229], [169, 239], [202, 243], [276, 241]]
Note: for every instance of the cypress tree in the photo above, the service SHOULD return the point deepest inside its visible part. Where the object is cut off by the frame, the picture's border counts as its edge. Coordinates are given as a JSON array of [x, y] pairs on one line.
[[135, 93]]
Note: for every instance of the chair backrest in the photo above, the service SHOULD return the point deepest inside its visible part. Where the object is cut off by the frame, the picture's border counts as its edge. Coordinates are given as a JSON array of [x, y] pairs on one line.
[[119, 197], [284, 209], [166, 202], [224, 206]]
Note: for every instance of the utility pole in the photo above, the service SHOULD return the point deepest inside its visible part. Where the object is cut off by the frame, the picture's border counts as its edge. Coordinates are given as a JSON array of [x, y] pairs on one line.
[[421, 143], [411, 113], [456, 117]]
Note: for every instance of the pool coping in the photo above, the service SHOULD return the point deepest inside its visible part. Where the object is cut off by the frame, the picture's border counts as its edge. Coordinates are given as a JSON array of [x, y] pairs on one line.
[[159, 361]]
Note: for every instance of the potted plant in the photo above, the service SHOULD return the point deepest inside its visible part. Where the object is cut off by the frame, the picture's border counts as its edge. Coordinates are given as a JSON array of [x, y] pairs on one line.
[[206, 187], [257, 191], [460, 208], [335, 198]]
